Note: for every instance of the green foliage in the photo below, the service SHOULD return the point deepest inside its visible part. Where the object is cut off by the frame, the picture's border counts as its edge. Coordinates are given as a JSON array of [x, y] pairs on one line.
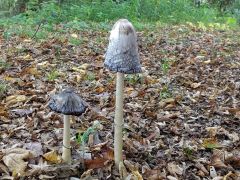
[[165, 93], [84, 14], [134, 78], [165, 65], [53, 75], [75, 41], [3, 88], [222, 5], [83, 139], [3, 65], [188, 152], [90, 76]]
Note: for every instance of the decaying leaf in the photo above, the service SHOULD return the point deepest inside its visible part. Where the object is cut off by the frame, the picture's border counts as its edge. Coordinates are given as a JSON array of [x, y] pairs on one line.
[[212, 131], [52, 157], [216, 160], [11, 100], [210, 143], [16, 160], [174, 169], [3, 111]]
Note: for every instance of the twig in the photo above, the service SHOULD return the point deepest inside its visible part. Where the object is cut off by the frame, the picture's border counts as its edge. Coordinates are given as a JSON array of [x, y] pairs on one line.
[[37, 30]]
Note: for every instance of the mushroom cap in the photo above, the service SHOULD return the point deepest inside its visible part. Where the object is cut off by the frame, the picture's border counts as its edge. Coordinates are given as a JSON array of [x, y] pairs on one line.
[[68, 103], [122, 52]]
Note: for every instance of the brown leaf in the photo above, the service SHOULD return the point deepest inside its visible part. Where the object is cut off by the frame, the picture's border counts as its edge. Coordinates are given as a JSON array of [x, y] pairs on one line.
[[3, 111], [95, 163], [234, 161], [174, 169], [15, 160], [216, 159]]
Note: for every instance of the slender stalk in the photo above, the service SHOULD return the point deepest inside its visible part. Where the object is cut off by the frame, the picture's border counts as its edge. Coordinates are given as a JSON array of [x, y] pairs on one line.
[[118, 120], [66, 156]]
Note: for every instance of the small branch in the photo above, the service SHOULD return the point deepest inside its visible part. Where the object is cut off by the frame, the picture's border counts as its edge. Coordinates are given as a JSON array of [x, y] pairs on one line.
[[34, 35]]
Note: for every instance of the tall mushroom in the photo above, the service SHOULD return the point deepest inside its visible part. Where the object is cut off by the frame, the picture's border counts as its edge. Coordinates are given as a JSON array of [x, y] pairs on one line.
[[67, 103], [121, 57]]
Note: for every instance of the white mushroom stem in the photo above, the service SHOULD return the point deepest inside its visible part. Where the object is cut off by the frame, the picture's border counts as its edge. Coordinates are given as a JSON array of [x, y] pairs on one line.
[[118, 120], [66, 156]]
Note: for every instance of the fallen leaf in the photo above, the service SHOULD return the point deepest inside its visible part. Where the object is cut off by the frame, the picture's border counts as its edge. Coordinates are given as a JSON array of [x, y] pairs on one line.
[[137, 175], [30, 70], [36, 147], [15, 160], [210, 143], [52, 157], [84, 66], [234, 161], [195, 85], [174, 169], [216, 160], [95, 163], [3, 111], [11, 100], [74, 35], [212, 131]]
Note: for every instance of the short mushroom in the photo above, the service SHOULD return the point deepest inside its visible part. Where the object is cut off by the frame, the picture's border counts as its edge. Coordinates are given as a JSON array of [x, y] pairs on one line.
[[121, 57], [67, 103]]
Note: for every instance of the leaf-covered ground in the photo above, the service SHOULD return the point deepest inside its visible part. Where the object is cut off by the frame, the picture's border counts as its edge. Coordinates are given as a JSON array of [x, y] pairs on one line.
[[182, 114]]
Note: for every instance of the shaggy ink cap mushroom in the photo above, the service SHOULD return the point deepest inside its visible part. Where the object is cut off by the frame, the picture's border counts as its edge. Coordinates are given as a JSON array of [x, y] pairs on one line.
[[68, 103], [122, 52]]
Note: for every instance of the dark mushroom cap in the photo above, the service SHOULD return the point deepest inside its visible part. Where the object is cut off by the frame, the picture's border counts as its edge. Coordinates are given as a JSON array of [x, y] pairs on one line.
[[122, 53], [68, 103]]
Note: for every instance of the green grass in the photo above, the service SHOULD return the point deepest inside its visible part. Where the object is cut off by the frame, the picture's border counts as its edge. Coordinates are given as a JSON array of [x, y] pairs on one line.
[[188, 152], [3, 89], [4, 65], [165, 65], [165, 93], [90, 76], [133, 79], [53, 75], [75, 41], [85, 15]]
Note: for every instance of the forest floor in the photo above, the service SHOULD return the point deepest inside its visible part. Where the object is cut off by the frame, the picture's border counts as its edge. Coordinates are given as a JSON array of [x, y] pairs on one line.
[[182, 114]]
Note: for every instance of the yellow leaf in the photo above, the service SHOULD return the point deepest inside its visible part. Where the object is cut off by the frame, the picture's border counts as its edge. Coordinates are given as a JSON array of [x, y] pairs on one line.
[[3, 111], [30, 70], [100, 89], [8, 78], [207, 62], [78, 78], [10, 100], [129, 90], [74, 35], [81, 71], [52, 157], [84, 66], [137, 175], [27, 57]]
